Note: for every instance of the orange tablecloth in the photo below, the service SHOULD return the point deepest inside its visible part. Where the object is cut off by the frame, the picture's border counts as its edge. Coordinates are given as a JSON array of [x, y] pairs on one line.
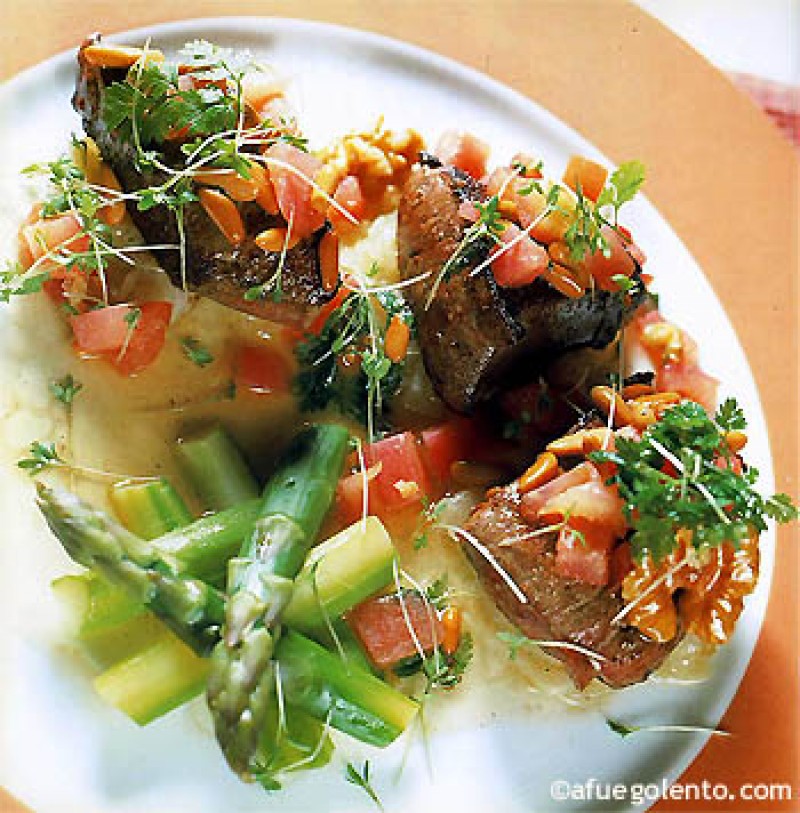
[[719, 172]]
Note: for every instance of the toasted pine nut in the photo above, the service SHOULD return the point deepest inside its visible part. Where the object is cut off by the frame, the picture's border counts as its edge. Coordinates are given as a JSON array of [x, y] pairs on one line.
[[222, 210], [231, 182], [508, 209], [541, 471], [114, 213], [329, 261], [266, 191], [560, 254], [563, 281], [605, 397], [595, 440], [275, 240], [736, 440], [396, 341], [658, 398], [118, 56], [451, 629], [567, 445]]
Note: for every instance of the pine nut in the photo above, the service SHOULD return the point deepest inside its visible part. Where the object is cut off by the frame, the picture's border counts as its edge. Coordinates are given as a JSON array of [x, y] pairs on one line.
[[543, 469], [118, 56], [222, 210], [395, 343], [272, 240]]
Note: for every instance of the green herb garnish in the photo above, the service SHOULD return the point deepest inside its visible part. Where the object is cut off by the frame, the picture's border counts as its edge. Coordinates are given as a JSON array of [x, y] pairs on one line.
[[42, 456], [678, 477], [65, 389], [196, 352], [361, 779]]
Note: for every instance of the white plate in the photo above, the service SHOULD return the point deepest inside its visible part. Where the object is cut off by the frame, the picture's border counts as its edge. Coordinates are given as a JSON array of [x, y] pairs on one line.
[[61, 750]]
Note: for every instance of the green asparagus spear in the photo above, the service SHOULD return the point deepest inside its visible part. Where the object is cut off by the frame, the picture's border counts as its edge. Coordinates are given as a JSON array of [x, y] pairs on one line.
[[149, 509], [241, 683], [190, 607], [216, 469]]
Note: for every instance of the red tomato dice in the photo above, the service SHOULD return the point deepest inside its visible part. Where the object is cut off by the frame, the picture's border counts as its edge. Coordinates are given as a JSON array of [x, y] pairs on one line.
[[102, 330], [575, 559], [147, 338], [522, 263], [291, 171], [446, 444], [350, 197], [465, 151], [384, 625], [64, 231], [603, 268], [402, 479], [262, 370]]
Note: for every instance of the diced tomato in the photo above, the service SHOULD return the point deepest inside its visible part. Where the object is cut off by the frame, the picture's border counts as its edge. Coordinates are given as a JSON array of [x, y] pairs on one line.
[[531, 169], [402, 479], [262, 370], [147, 338], [260, 88], [589, 175], [102, 330], [446, 444], [593, 502], [54, 289], [464, 151], [42, 236], [535, 500], [291, 179], [603, 268], [383, 625], [577, 558], [105, 331], [350, 197], [522, 263]]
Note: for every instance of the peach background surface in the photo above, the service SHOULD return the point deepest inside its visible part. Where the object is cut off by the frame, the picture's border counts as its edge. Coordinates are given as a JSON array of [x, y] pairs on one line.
[[719, 172]]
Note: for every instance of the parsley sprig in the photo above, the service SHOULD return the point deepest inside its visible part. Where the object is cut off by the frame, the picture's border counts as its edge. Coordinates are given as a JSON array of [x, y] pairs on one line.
[[346, 365], [679, 476], [361, 779]]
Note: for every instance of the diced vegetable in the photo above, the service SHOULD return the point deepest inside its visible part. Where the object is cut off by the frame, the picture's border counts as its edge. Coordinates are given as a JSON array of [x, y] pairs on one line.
[[396, 478], [354, 701], [522, 263], [388, 625], [263, 370], [47, 234], [102, 330], [446, 444], [293, 188], [149, 509], [339, 573], [147, 338], [465, 151], [587, 175], [619, 263], [216, 469], [154, 681], [577, 559]]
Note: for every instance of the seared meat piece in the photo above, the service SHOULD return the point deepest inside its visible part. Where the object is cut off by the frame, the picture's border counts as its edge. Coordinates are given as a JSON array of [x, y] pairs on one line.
[[474, 331], [558, 608], [214, 267]]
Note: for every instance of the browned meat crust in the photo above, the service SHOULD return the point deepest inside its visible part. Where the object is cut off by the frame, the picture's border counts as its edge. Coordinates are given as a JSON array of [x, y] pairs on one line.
[[475, 332], [558, 608], [214, 268]]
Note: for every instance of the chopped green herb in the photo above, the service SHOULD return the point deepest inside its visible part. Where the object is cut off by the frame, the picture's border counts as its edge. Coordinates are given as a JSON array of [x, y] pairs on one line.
[[65, 389], [515, 641], [438, 593], [195, 351], [447, 670], [702, 494], [361, 779], [42, 456]]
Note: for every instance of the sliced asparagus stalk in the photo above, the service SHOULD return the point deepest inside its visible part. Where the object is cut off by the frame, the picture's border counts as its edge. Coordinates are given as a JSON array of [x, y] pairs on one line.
[[241, 684], [155, 680], [149, 509], [340, 573], [355, 701], [216, 469], [190, 607]]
